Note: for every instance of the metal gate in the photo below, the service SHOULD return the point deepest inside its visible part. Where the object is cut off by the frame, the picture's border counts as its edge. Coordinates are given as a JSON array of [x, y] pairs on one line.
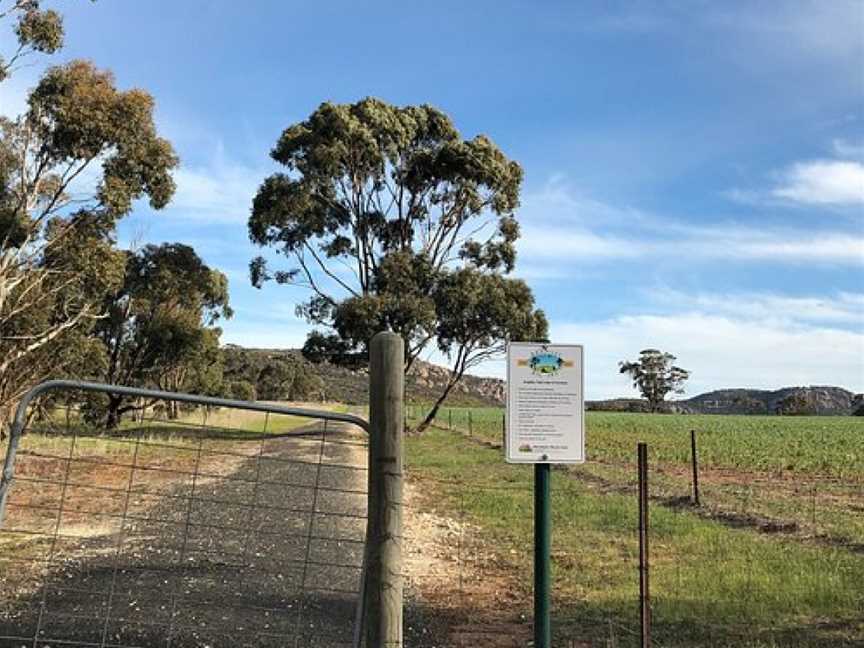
[[207, 523]]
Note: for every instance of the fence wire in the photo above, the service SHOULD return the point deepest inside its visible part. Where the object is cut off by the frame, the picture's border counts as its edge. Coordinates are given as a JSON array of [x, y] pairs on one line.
[[765, 560], [218, 528]]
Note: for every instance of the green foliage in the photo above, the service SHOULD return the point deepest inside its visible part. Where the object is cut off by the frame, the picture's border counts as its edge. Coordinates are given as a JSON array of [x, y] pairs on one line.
[[36, 30], [306, 386], [240, 390], [423, 219], [78, 114], [274, 380], [273, 375], [57, 249], [156, 329], [40, 30], [655, 376], [320, 347]]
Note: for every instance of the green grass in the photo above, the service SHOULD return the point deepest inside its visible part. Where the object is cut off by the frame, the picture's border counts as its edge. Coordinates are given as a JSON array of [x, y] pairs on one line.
[[804, 474], [824, 446], [711, 585]]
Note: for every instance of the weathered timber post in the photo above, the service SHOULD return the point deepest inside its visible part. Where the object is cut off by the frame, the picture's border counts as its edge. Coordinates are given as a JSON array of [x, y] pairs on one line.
[[644, 562], [384, 567]]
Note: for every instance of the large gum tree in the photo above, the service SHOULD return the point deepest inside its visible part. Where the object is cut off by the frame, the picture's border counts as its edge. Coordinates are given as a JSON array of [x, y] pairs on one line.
[[70, 168], [393, 221]]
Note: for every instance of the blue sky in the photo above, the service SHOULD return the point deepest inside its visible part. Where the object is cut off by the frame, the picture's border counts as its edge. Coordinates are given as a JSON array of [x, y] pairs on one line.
[[694, 171]]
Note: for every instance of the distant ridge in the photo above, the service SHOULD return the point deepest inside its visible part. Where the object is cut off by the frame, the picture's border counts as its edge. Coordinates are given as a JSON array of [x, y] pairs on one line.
[[813, 400], [427, 380]]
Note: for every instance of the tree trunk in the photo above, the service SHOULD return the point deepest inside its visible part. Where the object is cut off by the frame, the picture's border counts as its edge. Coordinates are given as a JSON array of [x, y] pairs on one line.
[[113, 414], [430, 416]]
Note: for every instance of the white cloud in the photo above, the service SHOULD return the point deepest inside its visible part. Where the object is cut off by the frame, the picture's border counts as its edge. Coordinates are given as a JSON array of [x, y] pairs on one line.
[[842, 308], [560, 226], [720, 351], [222, 192], [849, 149], [795, 31], [556, 242], [686, 243], [822, 182]]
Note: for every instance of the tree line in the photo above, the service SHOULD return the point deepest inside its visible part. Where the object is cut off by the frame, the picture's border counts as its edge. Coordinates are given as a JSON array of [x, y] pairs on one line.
[[391, 220]]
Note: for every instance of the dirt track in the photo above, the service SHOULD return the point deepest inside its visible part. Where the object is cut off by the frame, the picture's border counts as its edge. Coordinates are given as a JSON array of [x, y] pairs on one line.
[[264, 553]]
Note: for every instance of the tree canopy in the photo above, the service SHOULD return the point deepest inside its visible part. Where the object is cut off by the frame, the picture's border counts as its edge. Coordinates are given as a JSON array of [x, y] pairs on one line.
[[158, 325], [392, 221], [70, 167], [36, 30], [655, 376]]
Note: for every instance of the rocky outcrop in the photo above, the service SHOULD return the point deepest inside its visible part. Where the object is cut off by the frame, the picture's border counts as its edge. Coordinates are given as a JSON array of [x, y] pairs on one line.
[[426, 381]]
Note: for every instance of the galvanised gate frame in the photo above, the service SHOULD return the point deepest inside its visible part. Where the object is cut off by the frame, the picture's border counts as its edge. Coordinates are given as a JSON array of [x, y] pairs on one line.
[[17, 430]]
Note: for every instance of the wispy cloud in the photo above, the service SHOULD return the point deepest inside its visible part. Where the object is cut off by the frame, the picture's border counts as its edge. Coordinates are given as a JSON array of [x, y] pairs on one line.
[[822, 182], [720, 350], [844, 309], [563, 227], [836, 181], [220, 192], [849, 149]]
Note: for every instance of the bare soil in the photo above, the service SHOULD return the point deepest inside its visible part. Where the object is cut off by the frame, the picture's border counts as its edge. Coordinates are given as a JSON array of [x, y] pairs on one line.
[[261, 547], [462, 593]]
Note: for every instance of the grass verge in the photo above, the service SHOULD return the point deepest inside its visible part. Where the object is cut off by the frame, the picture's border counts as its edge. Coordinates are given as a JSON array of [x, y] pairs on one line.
[[711, 585]]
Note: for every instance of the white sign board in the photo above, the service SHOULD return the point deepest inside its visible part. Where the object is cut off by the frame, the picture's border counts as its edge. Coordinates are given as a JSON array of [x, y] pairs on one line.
[[545, 403]]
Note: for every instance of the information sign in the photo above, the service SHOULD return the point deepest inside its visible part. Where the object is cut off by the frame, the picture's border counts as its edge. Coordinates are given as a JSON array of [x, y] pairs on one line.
[[545, 403]]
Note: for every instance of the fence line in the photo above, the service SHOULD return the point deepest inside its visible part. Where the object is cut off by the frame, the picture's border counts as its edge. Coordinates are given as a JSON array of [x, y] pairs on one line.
[[249, 533], [803, 550]]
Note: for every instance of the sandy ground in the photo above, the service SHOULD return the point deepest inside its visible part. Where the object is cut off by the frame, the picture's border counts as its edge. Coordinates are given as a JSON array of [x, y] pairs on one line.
[[458, 594], [260, 548], [261, 551]]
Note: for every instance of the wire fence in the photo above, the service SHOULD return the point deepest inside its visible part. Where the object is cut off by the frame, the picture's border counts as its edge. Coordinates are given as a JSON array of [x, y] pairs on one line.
[[763, 561], [228, 528], [216, 528]]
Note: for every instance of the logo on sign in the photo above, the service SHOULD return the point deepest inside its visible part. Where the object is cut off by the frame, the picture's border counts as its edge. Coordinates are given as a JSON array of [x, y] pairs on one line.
[[546, 362]]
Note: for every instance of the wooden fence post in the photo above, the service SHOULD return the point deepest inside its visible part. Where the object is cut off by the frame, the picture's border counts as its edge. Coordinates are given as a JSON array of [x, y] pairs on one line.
[[384, 560], [644, 561]]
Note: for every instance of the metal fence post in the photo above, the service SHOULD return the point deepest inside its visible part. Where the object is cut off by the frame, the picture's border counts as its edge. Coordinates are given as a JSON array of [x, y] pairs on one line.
[[695, 467], [384, 568], [542, 550]]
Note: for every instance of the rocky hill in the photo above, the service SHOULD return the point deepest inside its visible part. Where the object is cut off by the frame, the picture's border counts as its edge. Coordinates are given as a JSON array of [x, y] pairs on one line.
[[814, 400], [426, 381], [788, 400], [423, 384]]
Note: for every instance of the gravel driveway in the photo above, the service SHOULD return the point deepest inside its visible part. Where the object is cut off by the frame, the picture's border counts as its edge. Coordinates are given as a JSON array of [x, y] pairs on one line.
[[263, 553]]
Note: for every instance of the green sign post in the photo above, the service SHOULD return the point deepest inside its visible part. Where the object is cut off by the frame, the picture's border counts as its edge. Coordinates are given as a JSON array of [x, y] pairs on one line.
[[542, 550], [545, 424]]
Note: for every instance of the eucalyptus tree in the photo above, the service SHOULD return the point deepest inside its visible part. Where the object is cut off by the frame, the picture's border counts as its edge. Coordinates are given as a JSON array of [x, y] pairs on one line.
[[70, 168], [655, 376], [36, 30], [159, 326], [386, 213]]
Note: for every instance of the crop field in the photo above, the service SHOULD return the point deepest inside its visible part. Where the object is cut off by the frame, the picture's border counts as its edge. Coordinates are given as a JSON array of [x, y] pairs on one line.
[[773, 556], [824, 446]]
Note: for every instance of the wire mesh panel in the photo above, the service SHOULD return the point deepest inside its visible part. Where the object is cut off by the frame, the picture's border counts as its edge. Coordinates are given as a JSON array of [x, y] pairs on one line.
[[211, 528]]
